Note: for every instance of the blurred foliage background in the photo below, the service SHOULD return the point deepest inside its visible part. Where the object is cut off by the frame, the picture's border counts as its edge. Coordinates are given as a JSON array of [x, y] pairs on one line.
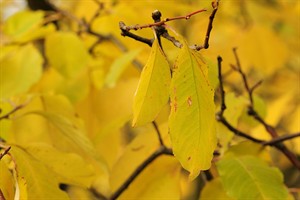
[[91, 80]]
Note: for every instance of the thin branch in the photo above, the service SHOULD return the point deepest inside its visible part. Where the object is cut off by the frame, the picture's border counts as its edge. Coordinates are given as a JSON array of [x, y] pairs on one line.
[[252, 112], [162, 150], [162, 22], [220, 114], [223, 105], [16, 108], [215, 6], [158, 133], [5, 152], [125, 32], [281, 139]]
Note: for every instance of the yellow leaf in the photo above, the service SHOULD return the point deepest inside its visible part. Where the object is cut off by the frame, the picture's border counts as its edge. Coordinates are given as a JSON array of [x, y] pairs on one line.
[[214, 190], [118, 67], [259, 47], [20, 68], [153, 88], [22, 23], [67, 53], [70, 167], [192, 118], [7, 182], [40, 181]]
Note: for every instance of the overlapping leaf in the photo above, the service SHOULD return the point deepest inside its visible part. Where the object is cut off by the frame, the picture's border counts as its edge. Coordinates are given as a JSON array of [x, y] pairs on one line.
[[40, 181], [192, 118], [153, 88], [20, 68], [248, 177], [66, 52]]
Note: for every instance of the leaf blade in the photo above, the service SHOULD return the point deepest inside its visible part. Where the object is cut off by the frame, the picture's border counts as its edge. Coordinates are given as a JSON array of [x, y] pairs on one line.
[[153, 89], [192, 120], [251, 178]]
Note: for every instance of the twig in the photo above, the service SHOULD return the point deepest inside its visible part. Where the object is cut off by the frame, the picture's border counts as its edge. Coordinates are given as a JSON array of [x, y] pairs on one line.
[[125, 32], [7, 116], [158, 133], [223, 105], [162, 22], [252, 112], [215, 6], [5, 152], [220, 114], [162, 150], [281, 139]]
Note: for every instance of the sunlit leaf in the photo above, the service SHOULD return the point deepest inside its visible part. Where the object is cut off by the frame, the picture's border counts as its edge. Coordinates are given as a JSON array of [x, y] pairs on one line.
[[66, 52], [23, 23], [20, 68], [248, 177], [7, 182], [40, 181], [135, 153], [214, 190], [70, 167], [192, 119], [153, 88], [158, 181], [118, 67], [68, 129]]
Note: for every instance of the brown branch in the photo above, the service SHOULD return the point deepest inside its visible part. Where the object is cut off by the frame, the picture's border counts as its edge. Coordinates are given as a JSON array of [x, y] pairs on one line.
[[158, 133], [162, 22], [215, 6], [281, 139], [252, 112], [220, 115], [5, 152], [125, 32], [162, 150], [7, 116]]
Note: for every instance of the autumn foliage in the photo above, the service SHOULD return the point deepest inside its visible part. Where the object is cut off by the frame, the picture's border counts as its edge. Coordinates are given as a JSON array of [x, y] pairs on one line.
[[99, 100]]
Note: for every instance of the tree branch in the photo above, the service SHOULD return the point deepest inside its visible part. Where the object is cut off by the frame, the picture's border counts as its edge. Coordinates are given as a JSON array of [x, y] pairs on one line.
[[220, 115], [7, 115], [215, 6], [281, 139], [162, 150], [5, 152], [162, 22], [252, 112]]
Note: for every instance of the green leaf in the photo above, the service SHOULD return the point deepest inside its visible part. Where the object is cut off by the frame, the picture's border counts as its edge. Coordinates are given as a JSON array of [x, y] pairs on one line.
[[22, 23], [214, 190], [248, 177], [67, 53], [40, 181], [153, 89], [70, 167], [192, 118], [20, 68], [118, 67]]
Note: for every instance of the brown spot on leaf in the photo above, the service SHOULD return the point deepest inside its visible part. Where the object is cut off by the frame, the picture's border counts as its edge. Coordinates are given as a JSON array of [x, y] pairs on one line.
[[189, 101], [189, 158]]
